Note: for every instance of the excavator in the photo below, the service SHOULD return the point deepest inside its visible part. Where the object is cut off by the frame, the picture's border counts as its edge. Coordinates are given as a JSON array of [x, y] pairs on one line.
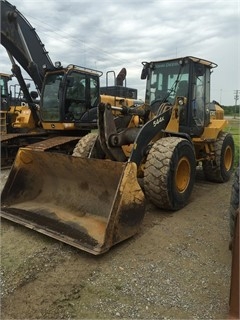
[[95, 198], [19, 119], [68, 95], [12, 98]]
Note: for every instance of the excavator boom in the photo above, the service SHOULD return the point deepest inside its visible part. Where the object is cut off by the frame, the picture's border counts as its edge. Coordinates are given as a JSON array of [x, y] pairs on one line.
[[20, 39]]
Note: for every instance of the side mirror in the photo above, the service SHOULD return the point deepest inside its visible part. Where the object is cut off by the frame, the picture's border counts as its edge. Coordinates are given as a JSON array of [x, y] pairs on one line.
[[145, 70]]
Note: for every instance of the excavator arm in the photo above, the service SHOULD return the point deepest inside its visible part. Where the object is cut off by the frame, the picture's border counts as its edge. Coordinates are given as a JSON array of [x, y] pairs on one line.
[[22, 42]]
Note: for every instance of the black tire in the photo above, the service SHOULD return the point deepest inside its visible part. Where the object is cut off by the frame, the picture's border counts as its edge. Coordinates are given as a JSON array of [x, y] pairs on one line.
[[220, 170], [169, 173], [84, 146], [234, 202]]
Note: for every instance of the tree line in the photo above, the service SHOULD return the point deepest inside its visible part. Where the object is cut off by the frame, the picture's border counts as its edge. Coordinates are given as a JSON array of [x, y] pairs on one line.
[[231, 110]]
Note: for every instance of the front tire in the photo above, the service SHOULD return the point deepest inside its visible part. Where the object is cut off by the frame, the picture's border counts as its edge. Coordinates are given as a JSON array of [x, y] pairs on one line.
[[87, 147], [221, 169], [169, 173]]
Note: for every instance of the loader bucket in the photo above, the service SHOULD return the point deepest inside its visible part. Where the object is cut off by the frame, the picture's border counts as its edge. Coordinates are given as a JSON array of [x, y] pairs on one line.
[[90, 204]]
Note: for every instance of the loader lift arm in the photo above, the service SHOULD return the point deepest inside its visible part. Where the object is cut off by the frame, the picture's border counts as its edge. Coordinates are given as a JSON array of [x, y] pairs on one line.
[[112, 139]]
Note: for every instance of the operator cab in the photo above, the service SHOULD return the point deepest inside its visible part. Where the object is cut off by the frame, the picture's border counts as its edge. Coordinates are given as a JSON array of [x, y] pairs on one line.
[[71, 96], [4, 101], [185, 81]]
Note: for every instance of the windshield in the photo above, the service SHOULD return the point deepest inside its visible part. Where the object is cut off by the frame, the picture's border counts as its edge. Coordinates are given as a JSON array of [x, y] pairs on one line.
[[166, 81], [50, 104]]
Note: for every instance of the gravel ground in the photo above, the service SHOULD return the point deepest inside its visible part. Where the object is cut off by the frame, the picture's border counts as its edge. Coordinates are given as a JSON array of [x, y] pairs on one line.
[[177, 267]]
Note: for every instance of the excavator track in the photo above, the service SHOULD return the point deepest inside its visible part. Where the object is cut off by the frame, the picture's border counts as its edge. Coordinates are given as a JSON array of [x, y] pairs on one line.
[[11, 136], [10, 144], [54, 142]]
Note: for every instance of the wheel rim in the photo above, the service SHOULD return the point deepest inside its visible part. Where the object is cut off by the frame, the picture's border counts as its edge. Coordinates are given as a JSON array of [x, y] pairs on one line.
[[183, 173], [228, 156]]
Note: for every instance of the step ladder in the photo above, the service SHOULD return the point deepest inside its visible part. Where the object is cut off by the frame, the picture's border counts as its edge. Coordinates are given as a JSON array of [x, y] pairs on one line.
[[3, 122]]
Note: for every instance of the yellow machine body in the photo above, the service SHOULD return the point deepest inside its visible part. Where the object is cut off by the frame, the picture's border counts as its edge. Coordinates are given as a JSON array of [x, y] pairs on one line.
[[21, 117]]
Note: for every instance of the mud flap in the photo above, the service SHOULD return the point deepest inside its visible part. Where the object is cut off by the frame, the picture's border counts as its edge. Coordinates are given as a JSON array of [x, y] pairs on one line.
[[90, 204]]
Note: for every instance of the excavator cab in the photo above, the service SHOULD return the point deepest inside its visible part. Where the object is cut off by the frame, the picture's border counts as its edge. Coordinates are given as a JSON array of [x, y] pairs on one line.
[[4, 101], [4, 79], [69, 98]]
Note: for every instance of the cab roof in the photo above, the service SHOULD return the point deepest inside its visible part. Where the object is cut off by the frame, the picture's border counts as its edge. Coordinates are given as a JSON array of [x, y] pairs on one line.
[[207, 63]]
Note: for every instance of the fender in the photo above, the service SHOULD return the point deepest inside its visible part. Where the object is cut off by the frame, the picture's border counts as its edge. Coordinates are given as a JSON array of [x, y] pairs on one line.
[[147, 133]]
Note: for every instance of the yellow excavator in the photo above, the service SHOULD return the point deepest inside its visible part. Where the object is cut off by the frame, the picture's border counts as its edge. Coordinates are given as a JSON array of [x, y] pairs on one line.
[[20, 123], [96, 197], [69, 95]]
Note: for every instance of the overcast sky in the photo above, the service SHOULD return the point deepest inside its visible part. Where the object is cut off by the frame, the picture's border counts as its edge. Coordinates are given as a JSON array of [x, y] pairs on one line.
[[112, 34]]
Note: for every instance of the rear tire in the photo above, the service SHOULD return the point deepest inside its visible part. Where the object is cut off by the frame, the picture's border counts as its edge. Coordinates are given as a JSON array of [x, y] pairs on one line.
[[220, 170], [169, 173]]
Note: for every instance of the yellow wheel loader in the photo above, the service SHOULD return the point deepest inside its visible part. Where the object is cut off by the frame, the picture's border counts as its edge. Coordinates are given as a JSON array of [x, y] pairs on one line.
[[96, 197]]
